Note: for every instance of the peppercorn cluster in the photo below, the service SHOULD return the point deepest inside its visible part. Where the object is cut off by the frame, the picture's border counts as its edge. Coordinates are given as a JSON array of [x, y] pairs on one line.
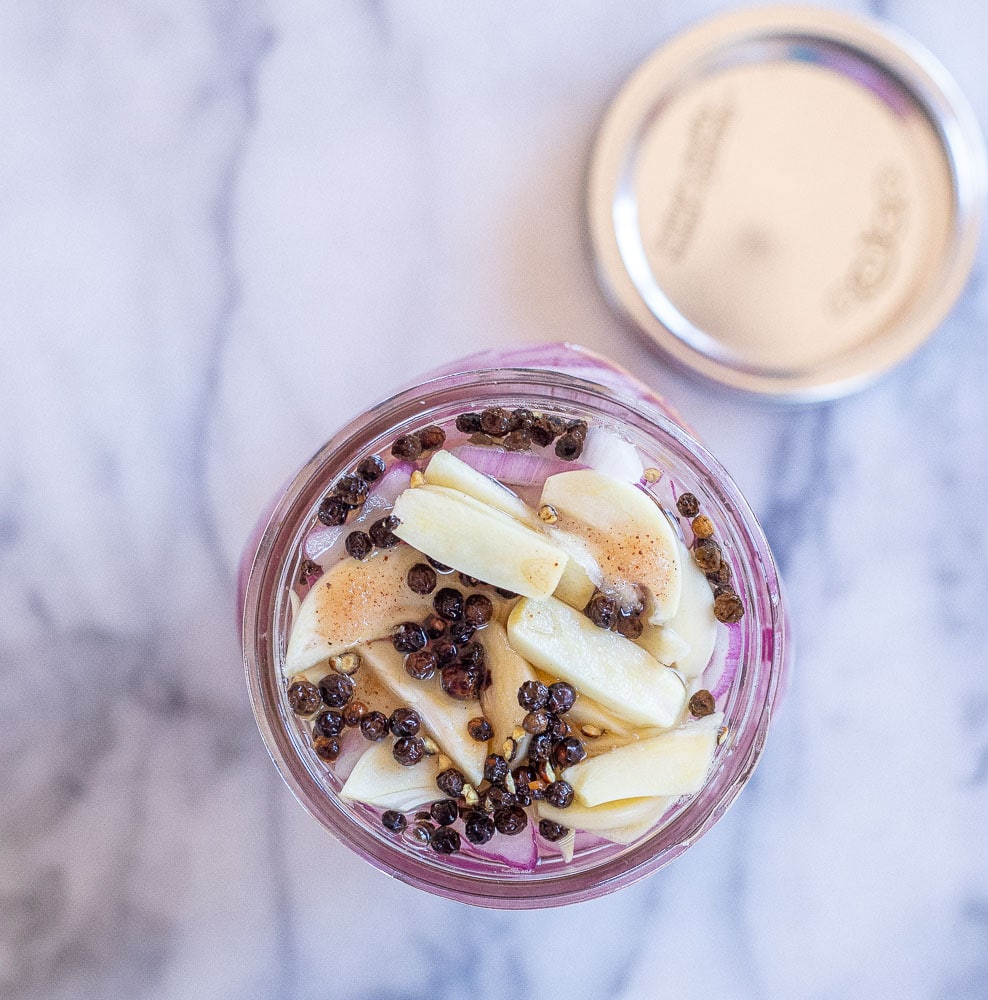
[[511, 783], [708, 555], [518, 430]]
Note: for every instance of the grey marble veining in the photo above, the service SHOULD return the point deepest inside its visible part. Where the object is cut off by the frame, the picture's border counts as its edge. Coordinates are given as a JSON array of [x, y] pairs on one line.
[[224, 229]]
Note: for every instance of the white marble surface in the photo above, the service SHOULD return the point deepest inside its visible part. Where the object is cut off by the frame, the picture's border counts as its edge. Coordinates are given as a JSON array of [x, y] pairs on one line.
[[225, 227]]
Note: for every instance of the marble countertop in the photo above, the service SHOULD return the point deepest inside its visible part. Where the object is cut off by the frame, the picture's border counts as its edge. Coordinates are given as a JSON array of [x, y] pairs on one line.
[[227, 227]]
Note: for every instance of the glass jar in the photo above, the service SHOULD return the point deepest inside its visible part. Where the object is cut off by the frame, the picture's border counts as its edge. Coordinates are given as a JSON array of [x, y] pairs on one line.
[[749, 661]]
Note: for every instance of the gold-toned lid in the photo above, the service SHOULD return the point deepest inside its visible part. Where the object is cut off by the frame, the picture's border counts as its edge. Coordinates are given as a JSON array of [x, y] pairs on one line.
[[787, 200]]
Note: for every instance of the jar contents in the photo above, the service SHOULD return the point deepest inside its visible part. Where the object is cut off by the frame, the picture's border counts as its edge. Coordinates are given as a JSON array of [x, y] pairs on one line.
[[503, 637]]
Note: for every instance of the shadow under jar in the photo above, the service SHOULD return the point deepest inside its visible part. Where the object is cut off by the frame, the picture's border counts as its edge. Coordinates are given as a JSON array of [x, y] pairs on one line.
[[746, 671]]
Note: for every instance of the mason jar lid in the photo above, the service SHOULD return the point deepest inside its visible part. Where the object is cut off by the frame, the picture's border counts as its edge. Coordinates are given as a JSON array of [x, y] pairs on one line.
[[787, 199]]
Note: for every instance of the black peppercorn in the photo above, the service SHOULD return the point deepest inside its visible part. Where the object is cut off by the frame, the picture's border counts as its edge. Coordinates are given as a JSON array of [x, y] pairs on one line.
[[702, 704], [374, 726], [510, 821], [352, 490], [478, 610], [521, 420], [333, 511], [336, 690], [551, 830], [445, 651], [408, 447], [560, 794], [459, 681], [496, 797], [409, 637], [706, 554], [371, 468], [326, 747], [472, 655], [688, 505], [532, 695], [468, 423], [523, 797], [568, 751], [495, 420], [445, 840], [448, 604], [630, 626], [328, 724], [422, 578], [559, 728], [451, 782], [354, 712], [495, 768], [444, 812], [358, 544], [460, 632], [728, 607], [421, 664], [304, 697], [394, 821], [542, 432], [404, 722], [478, 827], [518, 440], [536, 722], [569, 447], [540, 748], [561, 697], [409, 750], [382, 532], [432, 437], [480, 729], [421, 833], [602, 611]]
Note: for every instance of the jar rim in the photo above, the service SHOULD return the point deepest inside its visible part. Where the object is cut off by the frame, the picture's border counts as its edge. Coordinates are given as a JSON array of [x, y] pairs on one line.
[[265, 581]]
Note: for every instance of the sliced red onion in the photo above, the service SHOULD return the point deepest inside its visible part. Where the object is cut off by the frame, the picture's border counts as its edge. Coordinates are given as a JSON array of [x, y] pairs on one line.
[[519, 852], [731, 663], [324, 543], [612, 456], [514, 468], [587, 841], [352, 747]]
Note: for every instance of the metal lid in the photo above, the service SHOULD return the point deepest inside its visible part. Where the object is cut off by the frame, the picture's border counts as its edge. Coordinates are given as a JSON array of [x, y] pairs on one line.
[[787, 199]]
